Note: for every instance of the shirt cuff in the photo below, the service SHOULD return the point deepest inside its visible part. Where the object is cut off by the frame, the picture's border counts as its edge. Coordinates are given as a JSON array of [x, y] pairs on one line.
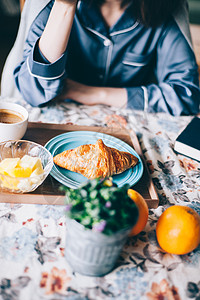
[[40, 67], [135, 98]]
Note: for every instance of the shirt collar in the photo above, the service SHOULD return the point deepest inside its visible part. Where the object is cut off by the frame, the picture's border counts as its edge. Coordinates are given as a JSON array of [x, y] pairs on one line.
[[90, 16]]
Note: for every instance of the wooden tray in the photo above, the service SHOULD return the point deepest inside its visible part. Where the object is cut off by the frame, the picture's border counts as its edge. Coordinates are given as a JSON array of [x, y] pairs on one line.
[[48, 192]]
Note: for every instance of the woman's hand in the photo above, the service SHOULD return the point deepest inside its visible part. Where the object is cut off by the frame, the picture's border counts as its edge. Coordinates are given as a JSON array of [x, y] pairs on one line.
[[91, 95], [81, 93]]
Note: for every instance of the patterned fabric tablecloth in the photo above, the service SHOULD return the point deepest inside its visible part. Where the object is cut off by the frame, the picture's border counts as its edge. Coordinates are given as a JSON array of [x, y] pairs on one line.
[[32, 237]]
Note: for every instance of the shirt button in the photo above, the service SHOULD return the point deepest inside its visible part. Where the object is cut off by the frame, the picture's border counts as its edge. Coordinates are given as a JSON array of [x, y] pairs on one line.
[[100, 76], [107, 42]]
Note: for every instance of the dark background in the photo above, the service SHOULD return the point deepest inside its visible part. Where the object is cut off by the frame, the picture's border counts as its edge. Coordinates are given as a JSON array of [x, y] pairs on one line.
[[8, 29]]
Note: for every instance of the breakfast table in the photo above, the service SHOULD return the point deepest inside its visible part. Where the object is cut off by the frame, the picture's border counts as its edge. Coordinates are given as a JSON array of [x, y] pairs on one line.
[[32, 235]]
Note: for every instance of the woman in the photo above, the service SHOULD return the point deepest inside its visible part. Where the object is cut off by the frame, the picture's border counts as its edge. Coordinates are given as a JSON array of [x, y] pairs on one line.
[[123, 53]]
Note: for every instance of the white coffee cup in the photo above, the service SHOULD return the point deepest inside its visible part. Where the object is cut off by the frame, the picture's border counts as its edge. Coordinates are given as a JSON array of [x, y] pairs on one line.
[[13, 121]]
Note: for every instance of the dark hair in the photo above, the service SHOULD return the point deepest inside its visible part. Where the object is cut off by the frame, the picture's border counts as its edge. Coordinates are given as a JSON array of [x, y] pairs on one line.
[[152, 13]]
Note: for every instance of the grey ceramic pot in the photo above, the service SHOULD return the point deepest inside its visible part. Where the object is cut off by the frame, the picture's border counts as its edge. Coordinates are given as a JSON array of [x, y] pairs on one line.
[[92, 253]]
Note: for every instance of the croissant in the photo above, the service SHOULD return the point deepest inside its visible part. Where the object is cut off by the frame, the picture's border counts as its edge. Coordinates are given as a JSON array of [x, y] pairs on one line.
[[95, 160]]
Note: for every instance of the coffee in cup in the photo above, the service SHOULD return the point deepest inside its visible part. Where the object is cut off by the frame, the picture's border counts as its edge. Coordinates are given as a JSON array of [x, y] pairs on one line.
[[13, 121], [9, 116]]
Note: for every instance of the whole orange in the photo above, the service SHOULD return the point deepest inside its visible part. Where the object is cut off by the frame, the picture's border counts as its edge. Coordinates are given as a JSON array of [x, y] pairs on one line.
[[178, 230], [142, 209]]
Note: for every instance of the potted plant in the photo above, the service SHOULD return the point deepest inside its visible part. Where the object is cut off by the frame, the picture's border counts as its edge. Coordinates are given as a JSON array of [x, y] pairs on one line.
[[99, 218]]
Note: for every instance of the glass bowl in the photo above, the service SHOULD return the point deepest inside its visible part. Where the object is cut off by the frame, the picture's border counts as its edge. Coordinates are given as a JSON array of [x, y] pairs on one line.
[[17, 149]]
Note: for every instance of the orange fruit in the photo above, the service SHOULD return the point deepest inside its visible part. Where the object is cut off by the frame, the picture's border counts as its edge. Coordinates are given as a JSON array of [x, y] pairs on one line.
[[142, 209], [178, 230]]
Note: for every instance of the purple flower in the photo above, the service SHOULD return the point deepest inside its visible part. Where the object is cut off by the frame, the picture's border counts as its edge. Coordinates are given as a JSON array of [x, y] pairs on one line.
[[108, 204], [99, 226], [68, 207]]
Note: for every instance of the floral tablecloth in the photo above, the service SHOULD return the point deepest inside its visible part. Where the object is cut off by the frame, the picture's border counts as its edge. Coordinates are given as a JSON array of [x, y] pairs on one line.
[[32, 237]]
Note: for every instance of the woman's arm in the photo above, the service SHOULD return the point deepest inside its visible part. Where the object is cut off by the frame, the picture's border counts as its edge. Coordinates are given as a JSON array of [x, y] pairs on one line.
[[40, 75], [177, 91], [91, 95], [55, 36]]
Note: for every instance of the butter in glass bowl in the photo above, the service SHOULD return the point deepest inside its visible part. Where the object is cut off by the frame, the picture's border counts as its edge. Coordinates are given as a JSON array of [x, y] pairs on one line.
[[24, 165]]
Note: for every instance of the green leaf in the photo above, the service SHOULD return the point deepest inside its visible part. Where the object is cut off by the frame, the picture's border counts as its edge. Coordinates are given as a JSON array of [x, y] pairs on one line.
[[83, 193], [93, 194]]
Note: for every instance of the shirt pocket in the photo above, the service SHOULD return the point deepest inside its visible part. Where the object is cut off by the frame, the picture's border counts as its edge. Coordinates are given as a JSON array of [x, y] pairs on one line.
[[136, 60], [136, 67]]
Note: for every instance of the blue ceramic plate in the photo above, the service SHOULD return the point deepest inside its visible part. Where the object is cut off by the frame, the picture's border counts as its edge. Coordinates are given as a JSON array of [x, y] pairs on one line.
[[71, 140]]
